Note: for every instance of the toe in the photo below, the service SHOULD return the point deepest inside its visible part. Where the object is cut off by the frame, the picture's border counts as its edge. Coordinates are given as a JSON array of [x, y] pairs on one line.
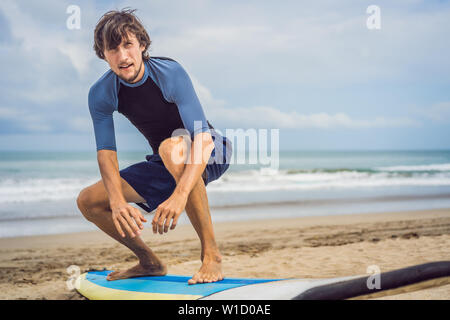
[[193, 280], [111, 275]]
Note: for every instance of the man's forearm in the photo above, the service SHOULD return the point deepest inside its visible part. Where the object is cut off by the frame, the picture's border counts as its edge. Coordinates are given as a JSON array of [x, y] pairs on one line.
[[109, 170], [201, 150]]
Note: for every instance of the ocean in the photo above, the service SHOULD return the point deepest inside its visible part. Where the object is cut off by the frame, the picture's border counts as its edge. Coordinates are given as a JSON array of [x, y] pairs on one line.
[[38, 190]]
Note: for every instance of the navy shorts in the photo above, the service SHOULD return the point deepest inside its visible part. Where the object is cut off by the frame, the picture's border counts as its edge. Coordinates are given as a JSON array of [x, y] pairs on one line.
[[153, 182]]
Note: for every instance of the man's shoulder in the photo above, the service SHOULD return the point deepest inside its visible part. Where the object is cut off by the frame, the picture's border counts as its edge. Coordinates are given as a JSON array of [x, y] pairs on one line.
[[166, 66], [162, 58], [169, 75], [102, 90], [105, 81]]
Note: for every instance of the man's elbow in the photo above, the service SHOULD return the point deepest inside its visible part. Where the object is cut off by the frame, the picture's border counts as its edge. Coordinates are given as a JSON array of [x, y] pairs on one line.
[[106, 153], [105, 156], [208, 141]]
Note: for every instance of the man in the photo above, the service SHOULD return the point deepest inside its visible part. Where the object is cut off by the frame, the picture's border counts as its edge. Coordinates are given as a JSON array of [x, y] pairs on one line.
[[157, 96]]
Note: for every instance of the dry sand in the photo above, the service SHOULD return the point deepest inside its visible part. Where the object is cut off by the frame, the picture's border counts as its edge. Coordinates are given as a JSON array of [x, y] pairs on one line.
[[311, 247]]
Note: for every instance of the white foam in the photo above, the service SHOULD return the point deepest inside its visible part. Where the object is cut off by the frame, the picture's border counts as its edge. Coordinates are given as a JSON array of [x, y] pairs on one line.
[[16, 190], [252, 181], [27, 190], [425, 167]]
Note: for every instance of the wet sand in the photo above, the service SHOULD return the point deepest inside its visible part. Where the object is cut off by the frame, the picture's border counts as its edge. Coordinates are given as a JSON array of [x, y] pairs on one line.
[[308, 247]]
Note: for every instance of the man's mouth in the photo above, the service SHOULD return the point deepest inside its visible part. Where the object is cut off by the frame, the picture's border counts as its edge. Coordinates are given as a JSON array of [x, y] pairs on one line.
[[124, 67]]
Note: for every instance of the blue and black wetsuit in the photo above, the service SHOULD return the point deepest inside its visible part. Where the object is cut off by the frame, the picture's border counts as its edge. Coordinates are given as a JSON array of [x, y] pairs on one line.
[[163, 101]]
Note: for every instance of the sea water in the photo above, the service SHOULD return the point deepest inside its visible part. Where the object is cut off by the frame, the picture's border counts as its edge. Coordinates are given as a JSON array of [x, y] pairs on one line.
[[38, 190]]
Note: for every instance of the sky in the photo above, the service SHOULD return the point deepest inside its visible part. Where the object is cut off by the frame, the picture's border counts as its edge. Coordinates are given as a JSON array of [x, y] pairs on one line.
[[312, 69]]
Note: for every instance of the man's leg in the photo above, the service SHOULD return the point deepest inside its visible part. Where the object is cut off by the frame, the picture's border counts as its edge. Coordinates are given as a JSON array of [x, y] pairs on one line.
[[93, 202], [197, 209]]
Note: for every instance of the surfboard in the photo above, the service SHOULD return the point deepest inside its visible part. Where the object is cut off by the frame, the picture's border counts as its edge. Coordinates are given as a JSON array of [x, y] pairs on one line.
[[93, 285]]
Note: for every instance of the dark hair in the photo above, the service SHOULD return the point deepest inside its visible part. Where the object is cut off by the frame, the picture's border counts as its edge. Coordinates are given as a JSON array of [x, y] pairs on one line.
[[113, 26]]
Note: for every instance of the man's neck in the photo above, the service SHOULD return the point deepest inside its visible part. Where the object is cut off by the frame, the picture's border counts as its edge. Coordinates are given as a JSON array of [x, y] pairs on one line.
[[140, 75]]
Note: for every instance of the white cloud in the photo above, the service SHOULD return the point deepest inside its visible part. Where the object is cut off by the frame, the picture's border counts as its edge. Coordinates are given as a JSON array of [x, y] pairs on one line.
[[77, 55], [235, 47], [8, 113], [270, 117], [81, 124], [27, 121], [438, 112], [40, 37], [320, 45]]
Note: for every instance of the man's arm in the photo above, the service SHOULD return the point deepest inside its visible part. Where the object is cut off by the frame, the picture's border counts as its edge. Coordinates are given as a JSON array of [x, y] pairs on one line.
[[201, 150], [102, 100], [178, 88], [191, 112], [171, 209], [124, 215], [109, 170]]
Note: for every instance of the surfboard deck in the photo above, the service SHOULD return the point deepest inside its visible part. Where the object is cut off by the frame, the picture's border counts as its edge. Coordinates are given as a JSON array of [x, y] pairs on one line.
[[94, 286]]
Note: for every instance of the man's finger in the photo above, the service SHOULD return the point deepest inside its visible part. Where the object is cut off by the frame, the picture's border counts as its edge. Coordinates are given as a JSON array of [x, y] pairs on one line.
[[119, 229], [142, 217], [167, 223], [126, 226], [155, 220], [174, 222], [131, 222], [137, 219], [162, 217]]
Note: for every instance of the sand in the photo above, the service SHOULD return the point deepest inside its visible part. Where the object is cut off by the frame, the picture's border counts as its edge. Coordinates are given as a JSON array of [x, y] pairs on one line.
[[310, 247]]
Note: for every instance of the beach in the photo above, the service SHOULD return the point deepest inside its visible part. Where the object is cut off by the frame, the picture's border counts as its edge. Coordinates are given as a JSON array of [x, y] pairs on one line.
[[35, 267], [335, 161]]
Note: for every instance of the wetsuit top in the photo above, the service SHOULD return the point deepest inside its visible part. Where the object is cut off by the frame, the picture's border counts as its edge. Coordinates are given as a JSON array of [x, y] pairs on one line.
[[162, 101]]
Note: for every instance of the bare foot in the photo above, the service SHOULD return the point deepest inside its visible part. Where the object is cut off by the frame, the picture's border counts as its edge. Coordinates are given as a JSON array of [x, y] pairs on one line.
[[138, 271], [210, 271]]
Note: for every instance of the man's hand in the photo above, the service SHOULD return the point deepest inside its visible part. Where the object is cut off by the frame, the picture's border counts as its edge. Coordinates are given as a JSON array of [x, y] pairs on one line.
[[168, 210], [129, 218]]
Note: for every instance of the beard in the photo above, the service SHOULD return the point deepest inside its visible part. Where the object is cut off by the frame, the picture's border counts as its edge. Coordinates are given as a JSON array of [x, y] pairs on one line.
[[133, 77]]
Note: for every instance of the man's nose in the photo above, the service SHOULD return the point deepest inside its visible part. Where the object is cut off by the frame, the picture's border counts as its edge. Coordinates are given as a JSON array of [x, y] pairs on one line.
[[122, 54]]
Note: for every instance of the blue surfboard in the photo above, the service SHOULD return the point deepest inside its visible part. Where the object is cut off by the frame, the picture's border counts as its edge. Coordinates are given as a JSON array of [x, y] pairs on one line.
[[93, 285]]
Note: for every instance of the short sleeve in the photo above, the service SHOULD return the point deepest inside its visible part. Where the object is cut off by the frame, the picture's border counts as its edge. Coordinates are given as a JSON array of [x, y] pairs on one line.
[[101, 111], [182, 93]]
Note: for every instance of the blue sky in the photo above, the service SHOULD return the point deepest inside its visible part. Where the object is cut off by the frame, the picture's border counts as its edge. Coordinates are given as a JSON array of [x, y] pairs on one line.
[[309, 68]]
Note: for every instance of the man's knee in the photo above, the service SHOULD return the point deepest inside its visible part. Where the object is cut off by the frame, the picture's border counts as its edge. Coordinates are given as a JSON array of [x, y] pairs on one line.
[[87, 204], [83, 202], [173, 151]]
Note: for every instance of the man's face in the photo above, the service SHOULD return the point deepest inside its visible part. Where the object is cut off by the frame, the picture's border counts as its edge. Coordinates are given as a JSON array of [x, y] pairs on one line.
[[126, 60]]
